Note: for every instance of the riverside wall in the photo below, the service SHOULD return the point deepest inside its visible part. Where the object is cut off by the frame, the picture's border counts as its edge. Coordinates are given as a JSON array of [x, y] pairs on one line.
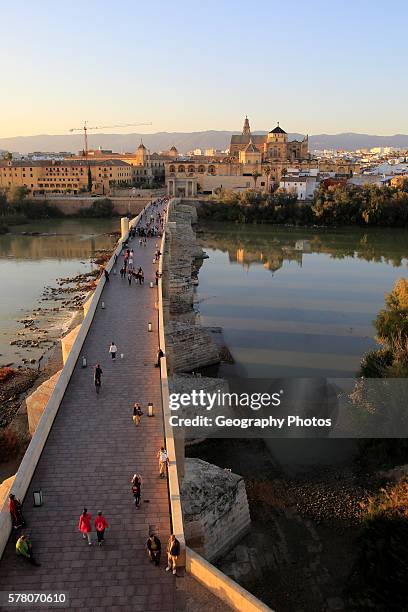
[[72, 205]]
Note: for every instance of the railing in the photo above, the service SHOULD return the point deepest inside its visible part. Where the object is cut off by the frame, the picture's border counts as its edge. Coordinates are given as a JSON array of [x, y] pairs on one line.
[[173, 481], [32, 455]]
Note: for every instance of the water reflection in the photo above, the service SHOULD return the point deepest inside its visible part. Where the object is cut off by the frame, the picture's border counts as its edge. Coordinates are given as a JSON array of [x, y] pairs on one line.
[[294, 301], [270, 246]]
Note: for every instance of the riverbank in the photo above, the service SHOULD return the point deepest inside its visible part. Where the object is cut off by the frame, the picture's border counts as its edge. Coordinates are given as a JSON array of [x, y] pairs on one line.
[[30, 344], [333, 206], [297, 522]]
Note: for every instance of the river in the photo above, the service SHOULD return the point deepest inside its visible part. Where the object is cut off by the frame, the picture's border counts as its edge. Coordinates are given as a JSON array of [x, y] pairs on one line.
[[298, 303], [295, 302], [29, 263]]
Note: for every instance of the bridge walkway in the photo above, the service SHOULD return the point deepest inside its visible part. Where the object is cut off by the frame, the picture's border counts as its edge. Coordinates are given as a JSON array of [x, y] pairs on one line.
[[89, 458]]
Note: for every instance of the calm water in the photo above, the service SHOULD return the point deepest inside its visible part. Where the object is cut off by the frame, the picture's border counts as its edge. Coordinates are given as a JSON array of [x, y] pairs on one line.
[[288, 312], [29, 263]]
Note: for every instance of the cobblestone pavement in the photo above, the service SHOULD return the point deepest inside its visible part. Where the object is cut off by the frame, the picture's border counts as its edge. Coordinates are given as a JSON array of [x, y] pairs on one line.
[[90, 456]]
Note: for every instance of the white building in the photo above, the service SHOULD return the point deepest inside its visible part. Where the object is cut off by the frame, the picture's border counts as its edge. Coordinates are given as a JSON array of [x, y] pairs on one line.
[[304, 184]]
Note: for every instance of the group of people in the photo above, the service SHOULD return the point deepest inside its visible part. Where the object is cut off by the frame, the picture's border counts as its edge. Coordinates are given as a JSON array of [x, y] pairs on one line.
[[153, 546], [85, 526], [24, 547], [128, 270]]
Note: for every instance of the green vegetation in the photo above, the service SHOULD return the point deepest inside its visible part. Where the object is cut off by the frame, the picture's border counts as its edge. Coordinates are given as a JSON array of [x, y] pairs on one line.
[[392, 332], [378, 581], [89, 179], [100, 208], [17, 208], [368, 205]]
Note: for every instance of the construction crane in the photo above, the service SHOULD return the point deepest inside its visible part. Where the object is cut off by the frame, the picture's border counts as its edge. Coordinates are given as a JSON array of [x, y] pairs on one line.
[[85, 129]]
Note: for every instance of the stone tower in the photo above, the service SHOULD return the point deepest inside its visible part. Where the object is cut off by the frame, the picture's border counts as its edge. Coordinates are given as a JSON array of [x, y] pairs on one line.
[[246, 130]]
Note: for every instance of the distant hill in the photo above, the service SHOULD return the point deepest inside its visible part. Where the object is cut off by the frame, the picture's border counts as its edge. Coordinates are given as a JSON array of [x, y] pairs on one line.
[[185, 141]]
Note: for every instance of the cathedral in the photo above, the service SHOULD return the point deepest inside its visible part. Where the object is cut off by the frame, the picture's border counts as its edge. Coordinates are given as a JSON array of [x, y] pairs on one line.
[[271, 147]]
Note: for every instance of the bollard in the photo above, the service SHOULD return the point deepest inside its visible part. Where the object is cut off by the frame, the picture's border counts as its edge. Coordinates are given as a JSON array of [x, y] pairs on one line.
[[149, 327]]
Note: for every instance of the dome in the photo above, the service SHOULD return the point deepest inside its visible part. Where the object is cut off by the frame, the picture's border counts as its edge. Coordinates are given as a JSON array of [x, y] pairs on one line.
[[277, 130]]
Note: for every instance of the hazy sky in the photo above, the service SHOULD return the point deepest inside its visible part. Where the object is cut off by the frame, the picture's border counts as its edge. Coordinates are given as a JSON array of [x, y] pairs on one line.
[[316, 66]]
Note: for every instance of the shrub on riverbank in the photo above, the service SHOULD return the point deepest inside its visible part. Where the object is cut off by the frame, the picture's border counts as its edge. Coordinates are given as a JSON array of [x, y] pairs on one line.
[[379, 574], [339, 205], [17, 208], [37, 209], [102, 208], [392, 331]]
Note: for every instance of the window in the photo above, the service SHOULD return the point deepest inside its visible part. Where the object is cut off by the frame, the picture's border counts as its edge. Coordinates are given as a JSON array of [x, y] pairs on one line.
[[172, 169], [181, 169]]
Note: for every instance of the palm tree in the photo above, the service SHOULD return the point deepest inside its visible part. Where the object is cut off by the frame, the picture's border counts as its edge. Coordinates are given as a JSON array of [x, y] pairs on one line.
[[267, 172], [255, 176]]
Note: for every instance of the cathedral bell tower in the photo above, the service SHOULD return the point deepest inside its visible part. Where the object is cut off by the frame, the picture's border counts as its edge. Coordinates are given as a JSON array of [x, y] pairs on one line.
[[246, 130]]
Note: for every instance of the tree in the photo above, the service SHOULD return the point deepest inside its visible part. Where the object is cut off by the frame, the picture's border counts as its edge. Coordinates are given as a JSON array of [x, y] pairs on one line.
[[3, 204], [392, 321], [89, 179], [19, 194], [267, 172], [255, 176], [7, 156]]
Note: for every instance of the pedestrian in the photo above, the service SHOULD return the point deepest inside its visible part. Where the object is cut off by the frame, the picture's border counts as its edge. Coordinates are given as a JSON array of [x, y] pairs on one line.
[[130, 263], [16, 512], [153, 546], [24, 549], [97, 377], [160, 354], [140, 275], [113, 349], [137, 414], [136, 489], [157, 277], [173, 552], [163, 461], [100, 525], [84, 526], [106, 275], [130, 278]]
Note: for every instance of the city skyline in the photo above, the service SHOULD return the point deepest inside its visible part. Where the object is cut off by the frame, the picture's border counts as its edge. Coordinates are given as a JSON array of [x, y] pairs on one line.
[[319, 69]]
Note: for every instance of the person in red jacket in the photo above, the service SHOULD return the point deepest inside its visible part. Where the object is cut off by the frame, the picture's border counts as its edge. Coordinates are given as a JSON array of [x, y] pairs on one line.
[[84, 526], [100, 525], [15, 508]]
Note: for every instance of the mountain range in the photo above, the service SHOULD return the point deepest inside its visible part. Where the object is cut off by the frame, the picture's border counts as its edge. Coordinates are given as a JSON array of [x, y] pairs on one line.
[[186, 141]]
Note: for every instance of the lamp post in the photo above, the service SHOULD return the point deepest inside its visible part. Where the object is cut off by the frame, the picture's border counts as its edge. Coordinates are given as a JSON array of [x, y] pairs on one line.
[[38, 498]]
